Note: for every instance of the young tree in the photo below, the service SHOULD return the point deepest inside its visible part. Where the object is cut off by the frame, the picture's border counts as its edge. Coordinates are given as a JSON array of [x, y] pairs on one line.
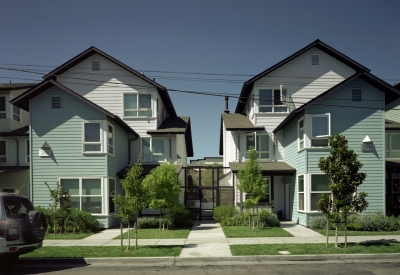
[[164, 187], [343, 169], [252, 182], [137, 193], [62, 201]]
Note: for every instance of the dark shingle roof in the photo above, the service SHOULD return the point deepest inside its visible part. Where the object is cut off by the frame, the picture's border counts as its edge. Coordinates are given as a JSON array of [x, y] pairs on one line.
[[16, 86], [23, 131], [10, 169], [267, 168], [177, 125], [391, 125]]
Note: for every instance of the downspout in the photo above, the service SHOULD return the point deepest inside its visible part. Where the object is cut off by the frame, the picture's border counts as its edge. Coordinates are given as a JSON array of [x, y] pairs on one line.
[[16, 140], [170, 149], [238, 150]]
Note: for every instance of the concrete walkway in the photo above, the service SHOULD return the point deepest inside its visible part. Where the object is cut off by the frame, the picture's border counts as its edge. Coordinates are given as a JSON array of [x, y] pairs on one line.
[[206, 239]]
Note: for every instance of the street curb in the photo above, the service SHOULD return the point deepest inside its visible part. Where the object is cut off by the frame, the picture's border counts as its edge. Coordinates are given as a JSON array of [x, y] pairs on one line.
[[180, 261]]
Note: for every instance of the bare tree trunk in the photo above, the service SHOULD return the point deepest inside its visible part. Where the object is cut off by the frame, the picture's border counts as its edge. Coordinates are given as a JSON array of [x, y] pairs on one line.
[[258, 218], [336, 236], [159, 224], [327, 232], [136, 230], [128, 248], [122, 238], [345, 231]]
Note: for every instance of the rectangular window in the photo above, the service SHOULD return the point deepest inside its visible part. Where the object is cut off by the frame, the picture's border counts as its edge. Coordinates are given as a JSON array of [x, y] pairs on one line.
[[3, 109], [86, 194], [260, 142], [315, 59], [137, 105], [272, 100], [300, 192], [356, 95], [95, 65], [319, 186], [392, 145], [3, 151], [320, 130], [56, 102], [27, 150], [153, 150], [92, 141], [16, 113], [111, 195], [110, 137], [301, 133]]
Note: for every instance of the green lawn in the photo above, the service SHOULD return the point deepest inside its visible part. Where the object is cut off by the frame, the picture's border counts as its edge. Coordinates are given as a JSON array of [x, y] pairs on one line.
[[103, 251], [245, 232], [152, 233], [358, 233], [70, 236], [304, 249]]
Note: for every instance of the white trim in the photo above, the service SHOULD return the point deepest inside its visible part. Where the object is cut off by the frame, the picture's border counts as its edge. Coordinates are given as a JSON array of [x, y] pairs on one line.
[[258, 134], [138, 109], [15, 114], [272, 105], [298, 133], [101, 142], [307, 185], [302, 192], [113, 139], [151, 150]]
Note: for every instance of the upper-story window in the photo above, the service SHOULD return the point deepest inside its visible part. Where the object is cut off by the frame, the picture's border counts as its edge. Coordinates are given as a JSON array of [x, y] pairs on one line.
[[16, 113], [356, 95], [95, 65], [137, 105], [301, 133], [315, 59], [392, 144], [98, 137], [320, 130], [110, 137], [3, 151], [3, 109], [260, 142], [153, 150], [272, 100]]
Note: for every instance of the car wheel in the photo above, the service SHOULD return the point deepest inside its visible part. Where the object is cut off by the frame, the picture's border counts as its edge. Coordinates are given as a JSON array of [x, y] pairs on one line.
[[36, 226]]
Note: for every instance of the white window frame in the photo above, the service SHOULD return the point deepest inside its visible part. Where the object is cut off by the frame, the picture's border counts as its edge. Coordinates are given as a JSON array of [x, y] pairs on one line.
[[323, 137], [361, 95], [138, 110], [51, 102], [300, 139], [319, 59], [110, 195], [259, 153], [390, 151], [5, 107], [104, 198], [151, 158], [108, 139], [307, 192], [14, 114], [4, 156], [301, 192], [92, 67], [27, 150], [101, 142], [283, 99], [314, 192]]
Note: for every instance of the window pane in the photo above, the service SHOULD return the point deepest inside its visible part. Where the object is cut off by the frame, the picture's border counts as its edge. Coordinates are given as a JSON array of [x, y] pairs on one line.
[[92, 132], [92, 148], [144, 101], [110, 139], [111, 205], [130, 113], [264, 155], [265, 109], [2, 148], [158, 146], [2, 104], [16, 110], [315, 197], [130, 101], [395, 142], [91, 204], [71, 186], [264, 146], [320, 126], [265, 96], [301, 183], [301, 144], [111, 187], [319, 183], [75, 202], [250, 142], [280, 109], [301, 202], [146, 146], [145, 113], [319, 142], [91, 186]]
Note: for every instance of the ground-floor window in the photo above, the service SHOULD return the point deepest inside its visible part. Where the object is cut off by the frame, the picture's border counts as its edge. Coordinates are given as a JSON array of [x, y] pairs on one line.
[[93, 195], [310, 189]]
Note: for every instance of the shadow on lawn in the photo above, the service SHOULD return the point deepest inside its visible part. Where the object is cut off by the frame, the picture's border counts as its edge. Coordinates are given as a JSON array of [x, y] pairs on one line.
[[374, 243]]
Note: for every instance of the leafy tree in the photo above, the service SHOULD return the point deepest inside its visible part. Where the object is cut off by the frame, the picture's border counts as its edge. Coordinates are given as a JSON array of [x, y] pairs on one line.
[[343, 169], [62, 200], [252, 182], [164, 187]]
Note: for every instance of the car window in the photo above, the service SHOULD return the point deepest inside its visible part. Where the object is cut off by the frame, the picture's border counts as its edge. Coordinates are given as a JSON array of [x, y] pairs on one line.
[[16, 206]]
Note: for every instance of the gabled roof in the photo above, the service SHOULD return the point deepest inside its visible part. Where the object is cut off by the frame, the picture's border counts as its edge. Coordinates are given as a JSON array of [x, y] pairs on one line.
[[22, 101], [267, 168], [248, 85], [390, 94], [16, 86], [23, 131], [235, 122], [176, 125], [93, 50], [392, 125]]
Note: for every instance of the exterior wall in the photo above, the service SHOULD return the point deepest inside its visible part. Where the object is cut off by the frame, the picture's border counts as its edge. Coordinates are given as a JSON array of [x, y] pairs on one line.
[[62, 130], [11, 151], [8, 124], [16, 180], [120, 158]]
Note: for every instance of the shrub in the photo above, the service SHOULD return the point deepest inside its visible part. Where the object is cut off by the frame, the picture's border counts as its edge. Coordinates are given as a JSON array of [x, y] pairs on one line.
[[224, 214], [268, 219], [241, 219], [179, 217], [144, 223]]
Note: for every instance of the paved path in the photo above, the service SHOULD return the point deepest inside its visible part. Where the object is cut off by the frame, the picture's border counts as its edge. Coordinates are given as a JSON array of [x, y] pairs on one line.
[[206, 239]]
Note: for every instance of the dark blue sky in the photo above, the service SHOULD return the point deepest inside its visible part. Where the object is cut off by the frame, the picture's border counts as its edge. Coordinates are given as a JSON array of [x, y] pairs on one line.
[[236, 38]]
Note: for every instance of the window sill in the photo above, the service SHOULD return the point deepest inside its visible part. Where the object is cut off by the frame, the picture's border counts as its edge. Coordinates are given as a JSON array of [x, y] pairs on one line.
[[138, 118], [272, 114], [94, 153]]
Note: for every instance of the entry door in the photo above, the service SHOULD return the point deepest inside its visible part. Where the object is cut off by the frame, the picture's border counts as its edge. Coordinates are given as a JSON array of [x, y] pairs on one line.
[[287, 202], [208, 202]]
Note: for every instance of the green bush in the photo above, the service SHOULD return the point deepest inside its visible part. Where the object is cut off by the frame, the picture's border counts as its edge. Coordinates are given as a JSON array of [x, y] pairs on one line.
[[179, 217], [224, 214], [268, 219], [77, 222], [152, 222], [241, 219]]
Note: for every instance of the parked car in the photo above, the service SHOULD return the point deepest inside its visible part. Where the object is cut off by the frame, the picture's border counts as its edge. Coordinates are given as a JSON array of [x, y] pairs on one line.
[[22, 229]]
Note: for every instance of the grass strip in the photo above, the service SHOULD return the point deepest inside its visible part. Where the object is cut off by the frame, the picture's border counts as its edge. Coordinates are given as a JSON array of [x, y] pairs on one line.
[[245, 232], [103, 251], [319, 248], [152, 233], [358, 233], [70, 236]]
